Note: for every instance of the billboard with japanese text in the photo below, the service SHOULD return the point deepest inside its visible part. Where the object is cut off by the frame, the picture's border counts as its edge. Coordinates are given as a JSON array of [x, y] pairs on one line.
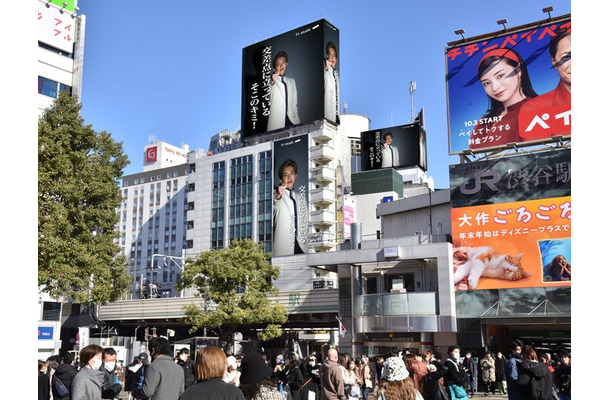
[[56, 26], [510, 88], [290, 196], [291, 79], [509, 179], [520, 244], [397, 147]]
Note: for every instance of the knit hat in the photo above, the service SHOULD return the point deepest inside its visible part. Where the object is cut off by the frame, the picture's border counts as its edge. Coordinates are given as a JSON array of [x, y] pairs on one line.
[[254, 369], [231, 361], [394, 369], [143, 356]]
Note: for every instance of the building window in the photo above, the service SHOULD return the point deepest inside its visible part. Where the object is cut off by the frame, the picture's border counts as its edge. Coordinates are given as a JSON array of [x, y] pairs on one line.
[[51, 88], [265, 199], [240, 199], [218, 205], [51, 311]]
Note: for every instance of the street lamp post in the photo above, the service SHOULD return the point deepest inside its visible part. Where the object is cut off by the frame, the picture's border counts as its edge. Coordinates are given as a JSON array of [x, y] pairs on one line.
[[173, 259]]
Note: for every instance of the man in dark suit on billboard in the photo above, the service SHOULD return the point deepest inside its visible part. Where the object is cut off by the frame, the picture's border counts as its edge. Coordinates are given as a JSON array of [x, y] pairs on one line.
[[283, 110]]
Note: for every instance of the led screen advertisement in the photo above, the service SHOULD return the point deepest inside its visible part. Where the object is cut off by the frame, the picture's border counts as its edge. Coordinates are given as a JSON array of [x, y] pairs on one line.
[[512, 245], [397, 147], [510, 179], [290, 196], [512, 87], [291, 79]]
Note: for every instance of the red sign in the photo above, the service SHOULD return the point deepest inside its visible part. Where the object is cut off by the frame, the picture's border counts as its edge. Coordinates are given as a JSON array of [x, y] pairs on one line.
[[151, 154]]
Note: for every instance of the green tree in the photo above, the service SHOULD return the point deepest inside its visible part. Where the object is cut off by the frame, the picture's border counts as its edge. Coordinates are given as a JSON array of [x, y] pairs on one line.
[[235, 283], [78, 194]]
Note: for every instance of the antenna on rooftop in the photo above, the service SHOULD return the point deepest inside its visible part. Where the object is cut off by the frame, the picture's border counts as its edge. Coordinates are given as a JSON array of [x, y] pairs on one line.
[[412, 90]]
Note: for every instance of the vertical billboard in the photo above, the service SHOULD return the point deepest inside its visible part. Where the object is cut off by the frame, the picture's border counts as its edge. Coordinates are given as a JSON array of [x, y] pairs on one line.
[[291, 79], [521, 244], [395, 147], [510, 87], [290, 196]]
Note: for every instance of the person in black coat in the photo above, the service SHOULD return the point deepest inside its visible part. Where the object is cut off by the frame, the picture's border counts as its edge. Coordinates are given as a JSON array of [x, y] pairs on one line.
[[188, 366], [535, 379], [501, 373], [66, 371], [292, 376], [433, 382], [456, 373]]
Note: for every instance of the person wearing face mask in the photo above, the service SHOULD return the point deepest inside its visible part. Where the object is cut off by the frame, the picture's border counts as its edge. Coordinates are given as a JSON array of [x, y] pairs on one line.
[[456, 374], [188, 366], [501, 373], [112, 386], [472, 373], [87, 384], [512, 373]]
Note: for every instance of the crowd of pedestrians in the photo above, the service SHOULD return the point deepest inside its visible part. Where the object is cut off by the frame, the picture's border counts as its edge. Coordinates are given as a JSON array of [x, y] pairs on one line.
[[526, 375]]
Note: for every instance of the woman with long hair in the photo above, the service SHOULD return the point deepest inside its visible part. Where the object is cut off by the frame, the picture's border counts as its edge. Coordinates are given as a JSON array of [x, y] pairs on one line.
[[211, 364], [506, 82]]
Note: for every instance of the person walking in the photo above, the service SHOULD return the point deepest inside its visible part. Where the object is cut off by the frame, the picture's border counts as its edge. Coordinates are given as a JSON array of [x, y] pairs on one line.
[[134, 374], [291, 376], [434, 385], [112, 386], [472, 373], [163, 378], [255, 379], [187, 365], [535, 378], [563, 380], [512, 374], [456, 374], [88, 383], [488, 368], [501, 373], [331, 378], [210, 368]]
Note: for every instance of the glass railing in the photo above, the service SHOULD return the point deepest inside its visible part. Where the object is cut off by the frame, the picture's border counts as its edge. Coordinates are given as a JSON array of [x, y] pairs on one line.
[[396, 304]]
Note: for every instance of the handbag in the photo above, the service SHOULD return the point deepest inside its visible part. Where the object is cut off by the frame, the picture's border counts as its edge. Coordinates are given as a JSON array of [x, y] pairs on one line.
[[60, 388], [457, 391]]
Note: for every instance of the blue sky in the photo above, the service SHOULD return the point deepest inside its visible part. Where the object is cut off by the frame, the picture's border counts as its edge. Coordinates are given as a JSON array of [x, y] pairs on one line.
[[174, 72]]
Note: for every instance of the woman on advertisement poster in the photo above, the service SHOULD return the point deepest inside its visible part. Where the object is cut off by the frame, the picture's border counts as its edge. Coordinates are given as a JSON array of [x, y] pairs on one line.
[[506, 81]]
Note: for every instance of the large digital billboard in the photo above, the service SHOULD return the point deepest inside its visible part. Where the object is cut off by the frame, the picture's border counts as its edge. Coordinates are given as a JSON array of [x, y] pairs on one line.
[[291, 79], [510, 87], [396, 147], [512, 245], [290, 196], [510, 179]]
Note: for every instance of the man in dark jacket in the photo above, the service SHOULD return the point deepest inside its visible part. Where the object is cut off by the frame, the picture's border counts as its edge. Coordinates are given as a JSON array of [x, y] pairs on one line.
[[66, 371], [112, 386], [188, 366]]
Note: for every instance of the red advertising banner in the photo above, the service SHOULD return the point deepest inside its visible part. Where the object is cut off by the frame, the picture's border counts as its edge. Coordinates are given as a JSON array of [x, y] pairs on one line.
[[513, 245]]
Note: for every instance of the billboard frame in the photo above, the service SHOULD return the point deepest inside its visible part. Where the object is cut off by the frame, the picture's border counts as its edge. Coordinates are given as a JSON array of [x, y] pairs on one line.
[[560, 139]]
